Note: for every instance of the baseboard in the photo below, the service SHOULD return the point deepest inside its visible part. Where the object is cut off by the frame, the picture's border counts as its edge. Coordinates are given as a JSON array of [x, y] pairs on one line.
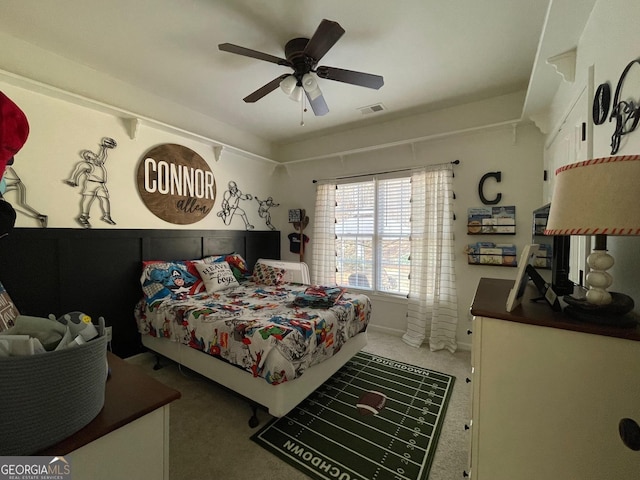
[[399, 333], [137, 355], [389, 331]]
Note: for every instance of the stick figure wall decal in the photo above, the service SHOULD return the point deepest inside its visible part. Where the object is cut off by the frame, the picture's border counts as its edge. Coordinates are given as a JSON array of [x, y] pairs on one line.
[[230, 205], [11, 182], [91, 175], [263, 210]]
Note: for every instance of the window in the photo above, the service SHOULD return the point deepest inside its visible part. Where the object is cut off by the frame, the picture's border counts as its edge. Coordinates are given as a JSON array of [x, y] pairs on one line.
[[372, 234]]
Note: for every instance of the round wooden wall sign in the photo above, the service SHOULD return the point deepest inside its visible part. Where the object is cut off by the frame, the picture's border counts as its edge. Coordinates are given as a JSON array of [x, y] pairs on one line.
[[176, 184]]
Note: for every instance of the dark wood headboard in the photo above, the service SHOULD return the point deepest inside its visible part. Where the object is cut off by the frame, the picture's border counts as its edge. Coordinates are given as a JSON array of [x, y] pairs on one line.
[[59, 270]]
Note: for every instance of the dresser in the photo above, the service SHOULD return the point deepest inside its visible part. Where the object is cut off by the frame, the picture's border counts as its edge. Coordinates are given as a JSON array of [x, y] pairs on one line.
[[549, 393], [130, 436]]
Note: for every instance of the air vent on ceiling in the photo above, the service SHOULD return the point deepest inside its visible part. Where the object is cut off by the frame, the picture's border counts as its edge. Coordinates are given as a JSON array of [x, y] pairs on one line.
[[378, 107]]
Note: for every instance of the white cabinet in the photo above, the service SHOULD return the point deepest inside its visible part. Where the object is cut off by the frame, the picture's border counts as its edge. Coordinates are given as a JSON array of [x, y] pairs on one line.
[[547, 402], [139, 450], [129, 438]]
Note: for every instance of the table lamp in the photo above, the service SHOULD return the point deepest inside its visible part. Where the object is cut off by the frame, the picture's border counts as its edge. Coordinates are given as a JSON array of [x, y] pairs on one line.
[[598, 197]]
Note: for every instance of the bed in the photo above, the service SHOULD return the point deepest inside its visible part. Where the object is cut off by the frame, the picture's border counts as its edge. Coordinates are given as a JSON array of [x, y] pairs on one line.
[[261, 336], [98, 271]]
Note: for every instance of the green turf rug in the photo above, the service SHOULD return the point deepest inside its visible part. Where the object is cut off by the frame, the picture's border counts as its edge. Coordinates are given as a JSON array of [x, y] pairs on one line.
[[375, 419]]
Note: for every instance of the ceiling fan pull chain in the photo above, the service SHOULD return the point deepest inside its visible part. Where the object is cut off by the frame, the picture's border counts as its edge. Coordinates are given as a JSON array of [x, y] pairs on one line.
[[302, 104]]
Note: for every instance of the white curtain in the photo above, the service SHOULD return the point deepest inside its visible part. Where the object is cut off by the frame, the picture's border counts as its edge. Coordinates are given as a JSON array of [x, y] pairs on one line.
[[323, 264], [433, 302]]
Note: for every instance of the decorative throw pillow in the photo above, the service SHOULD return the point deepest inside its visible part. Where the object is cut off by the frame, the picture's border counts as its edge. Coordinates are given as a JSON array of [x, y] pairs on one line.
[[237, 264], [170, 279], [9, 310], [212, 259], [216, 276], [267, 275]]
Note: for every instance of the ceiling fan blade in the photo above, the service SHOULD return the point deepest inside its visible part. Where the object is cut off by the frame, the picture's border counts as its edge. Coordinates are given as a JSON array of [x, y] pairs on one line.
[[349, 76], [247, 52], [325, 37], [265, 89], [318, 105]]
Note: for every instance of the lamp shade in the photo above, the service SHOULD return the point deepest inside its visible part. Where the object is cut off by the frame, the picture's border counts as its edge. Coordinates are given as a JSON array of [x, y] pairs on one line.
[[597, 197]]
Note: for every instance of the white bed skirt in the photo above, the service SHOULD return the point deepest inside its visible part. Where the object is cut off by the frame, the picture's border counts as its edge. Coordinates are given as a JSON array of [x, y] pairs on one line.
[[277, 399]]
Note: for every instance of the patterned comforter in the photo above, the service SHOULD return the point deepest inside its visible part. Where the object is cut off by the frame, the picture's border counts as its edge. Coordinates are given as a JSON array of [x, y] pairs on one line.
[[257, 327]]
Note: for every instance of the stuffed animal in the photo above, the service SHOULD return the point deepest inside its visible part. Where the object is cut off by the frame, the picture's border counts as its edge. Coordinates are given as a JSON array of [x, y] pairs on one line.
[[80, 326]]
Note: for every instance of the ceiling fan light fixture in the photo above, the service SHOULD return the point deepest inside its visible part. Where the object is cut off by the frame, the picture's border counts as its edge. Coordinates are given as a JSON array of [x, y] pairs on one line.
[[296, 95], [302, 56], [288, 84], [310, 85]]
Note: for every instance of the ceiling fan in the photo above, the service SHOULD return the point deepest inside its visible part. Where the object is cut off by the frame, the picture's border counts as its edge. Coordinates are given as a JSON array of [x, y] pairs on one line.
[[303, 55]]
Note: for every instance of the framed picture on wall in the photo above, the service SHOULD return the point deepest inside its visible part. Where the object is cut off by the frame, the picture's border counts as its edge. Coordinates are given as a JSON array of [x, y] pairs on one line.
[[295, 215]]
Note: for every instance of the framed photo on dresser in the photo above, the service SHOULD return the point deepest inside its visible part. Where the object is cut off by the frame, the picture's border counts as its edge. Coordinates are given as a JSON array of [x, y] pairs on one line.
[[515, 295]]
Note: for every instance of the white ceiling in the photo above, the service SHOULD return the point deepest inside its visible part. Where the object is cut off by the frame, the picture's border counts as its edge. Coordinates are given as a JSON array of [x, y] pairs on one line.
[[431, 53]]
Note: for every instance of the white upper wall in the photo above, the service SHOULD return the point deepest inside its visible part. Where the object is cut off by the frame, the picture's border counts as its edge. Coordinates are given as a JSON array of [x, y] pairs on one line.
[[32, 62], [60, 130], [512, 148], [425, 125], [608, 43]]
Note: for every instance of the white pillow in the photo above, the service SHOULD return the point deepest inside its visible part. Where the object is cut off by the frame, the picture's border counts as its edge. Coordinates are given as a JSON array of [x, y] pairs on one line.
[[216, 276]]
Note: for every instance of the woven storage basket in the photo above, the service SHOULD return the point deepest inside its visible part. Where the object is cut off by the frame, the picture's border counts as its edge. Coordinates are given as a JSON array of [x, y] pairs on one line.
[[47, 397]]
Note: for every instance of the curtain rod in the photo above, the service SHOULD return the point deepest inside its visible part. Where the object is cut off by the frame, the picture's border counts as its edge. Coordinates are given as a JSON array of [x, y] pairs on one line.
[[455, 162]]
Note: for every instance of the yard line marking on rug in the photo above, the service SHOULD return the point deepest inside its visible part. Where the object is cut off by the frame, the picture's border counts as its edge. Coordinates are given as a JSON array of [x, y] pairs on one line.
[[438, 384], [403, 420], [420, 417], [357, 436], [378, 446], [397, 443], [371, 427], [366, 459], [368, 383], [355, 475], [400, 387], [402, 384], [397, 391], [405, 460], [429, 401], [363, 423]]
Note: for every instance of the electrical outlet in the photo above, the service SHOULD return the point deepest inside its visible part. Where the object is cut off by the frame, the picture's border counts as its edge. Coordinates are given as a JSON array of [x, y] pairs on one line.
[[109, 333]]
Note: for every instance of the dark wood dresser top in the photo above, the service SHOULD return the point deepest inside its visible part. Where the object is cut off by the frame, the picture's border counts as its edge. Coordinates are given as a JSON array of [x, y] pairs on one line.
[[129, 394], [491, 300]]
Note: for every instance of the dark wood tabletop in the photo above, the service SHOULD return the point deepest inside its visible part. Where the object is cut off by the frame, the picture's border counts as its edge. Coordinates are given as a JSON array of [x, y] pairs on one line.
[[491, 301]]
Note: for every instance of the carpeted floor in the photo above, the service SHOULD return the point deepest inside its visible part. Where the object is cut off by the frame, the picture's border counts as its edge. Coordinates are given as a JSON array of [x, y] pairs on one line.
[[210, 436]]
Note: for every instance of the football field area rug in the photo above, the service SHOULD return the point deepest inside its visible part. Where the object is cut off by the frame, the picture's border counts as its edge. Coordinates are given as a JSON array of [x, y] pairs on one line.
[[374, 419]]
